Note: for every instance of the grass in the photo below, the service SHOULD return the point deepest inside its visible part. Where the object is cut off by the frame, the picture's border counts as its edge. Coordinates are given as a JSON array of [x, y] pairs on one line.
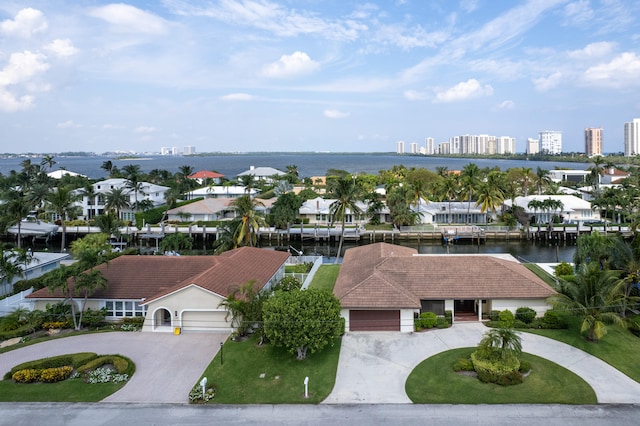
[[617, 347], [434, 382], [325, 277], [70, 390], [542, 274], [238, 380]]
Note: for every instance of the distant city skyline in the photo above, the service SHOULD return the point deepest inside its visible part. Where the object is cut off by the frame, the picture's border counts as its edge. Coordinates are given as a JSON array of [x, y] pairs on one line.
[[304, 76]]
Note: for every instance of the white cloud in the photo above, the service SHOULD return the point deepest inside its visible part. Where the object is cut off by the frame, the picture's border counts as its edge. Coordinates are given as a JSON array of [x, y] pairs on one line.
[[409, 38], [27, 22], [145, 129], [298, 63], [20, 74], [67, 124], [506, 105], [462, 91], [593, 50], [334, 113], [579, 12], [618, 73], [128, 19], [414, 95], [61, 47], [237, 97], [543, 84]]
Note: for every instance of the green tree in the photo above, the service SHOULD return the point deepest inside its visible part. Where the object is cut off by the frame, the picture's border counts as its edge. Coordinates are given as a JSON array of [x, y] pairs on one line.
[[502, 344], [346, 194], [91, 250], [47, 162], [593, 294], [244, 305], [107, 166], [302, 321], [488, 193], [593, 247], [285, 210], [250, 220], [116, 200], [470, 176], [62, 201], [108, 223], [542, 179], [176, 242], [85, 284], [12, 263], [14, 208]]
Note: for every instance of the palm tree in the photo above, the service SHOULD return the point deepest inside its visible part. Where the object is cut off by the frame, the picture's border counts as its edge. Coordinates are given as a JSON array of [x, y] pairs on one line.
[[12, 264], [62, 201], [526, 180], [88, 283], [247, 181], [489, 195], [107, 166], [542, 179], [108, 223], [595, 295], [47, 161], [448, 189], [346, 194], [134, 183], [536, 205], [246, 232], [418, 193], [503, 344], [116, 200], [14, 208], [470, 177]]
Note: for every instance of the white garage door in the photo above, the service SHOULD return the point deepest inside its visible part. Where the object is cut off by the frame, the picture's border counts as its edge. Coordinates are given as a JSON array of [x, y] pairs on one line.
[[204, 321]]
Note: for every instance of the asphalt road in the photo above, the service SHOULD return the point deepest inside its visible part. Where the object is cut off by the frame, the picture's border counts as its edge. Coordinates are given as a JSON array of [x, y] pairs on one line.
[[361, 414]]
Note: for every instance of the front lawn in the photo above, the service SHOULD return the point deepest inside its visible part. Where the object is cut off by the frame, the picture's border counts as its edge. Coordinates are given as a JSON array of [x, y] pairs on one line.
[[433, 381], [239, 381], [616, 348], [325, 277]]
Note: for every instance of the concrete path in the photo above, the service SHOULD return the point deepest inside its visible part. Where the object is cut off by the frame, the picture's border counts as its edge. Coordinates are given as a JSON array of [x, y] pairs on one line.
[[167, 366], [373, 367]]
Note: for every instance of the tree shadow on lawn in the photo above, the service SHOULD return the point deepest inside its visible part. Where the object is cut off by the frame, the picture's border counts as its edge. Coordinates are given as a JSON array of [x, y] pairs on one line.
[[433, 381]]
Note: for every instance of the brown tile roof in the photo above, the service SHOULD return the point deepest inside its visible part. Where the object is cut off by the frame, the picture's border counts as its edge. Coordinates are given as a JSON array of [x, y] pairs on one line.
[[151, 277], [203, 174], [378, 277]]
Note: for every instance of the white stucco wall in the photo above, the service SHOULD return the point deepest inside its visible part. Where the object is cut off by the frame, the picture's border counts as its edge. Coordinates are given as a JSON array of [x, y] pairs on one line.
[[538, 305]]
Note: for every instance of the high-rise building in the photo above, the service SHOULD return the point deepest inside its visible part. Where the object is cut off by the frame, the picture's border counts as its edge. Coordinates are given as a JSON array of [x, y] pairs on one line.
[[632, 137], [429, 146], [400, 147], [550, 142], [593, 141], [533, 146], [413, 147], [189, 150], [165, 151]]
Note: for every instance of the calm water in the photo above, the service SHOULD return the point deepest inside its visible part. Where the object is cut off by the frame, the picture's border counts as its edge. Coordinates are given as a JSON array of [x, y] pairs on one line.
[[308, 164]]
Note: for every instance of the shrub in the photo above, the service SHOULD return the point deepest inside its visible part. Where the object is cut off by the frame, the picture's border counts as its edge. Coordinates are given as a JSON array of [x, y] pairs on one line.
[[506, 318], [133, 320], [494, 316], [525, 314], [58, 374], [525, 367], [553, 320], [463, 364], [563, 269], [54, 325], [288, 283], [520, 324], [196, 396], [105, 375], [93, 318], [30, 375], [448, 314], [119, 364], [498, 372], [442, 322], [428, 319], [417, 324]]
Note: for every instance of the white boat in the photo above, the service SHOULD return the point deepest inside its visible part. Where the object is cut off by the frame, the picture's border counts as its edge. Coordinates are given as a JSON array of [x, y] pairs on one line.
[[33, 227]]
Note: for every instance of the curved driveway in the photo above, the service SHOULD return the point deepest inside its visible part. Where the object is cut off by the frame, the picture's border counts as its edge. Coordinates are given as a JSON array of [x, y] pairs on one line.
[[374, 367], [167, 366]]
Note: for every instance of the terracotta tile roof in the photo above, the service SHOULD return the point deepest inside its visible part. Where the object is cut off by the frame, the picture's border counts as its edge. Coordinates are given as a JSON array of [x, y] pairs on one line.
[[378, 277], [204, 174], [150, 277]]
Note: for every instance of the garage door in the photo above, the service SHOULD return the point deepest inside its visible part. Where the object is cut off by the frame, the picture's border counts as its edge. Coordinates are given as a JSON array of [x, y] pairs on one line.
[[374, 320], [204, 320]]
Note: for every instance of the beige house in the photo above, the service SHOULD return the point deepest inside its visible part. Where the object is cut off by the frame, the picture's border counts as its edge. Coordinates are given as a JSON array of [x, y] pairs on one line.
[[177, 291], [383, 286]]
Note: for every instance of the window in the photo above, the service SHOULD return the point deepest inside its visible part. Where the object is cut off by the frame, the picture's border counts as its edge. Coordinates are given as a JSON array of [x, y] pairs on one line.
[[124, 308]]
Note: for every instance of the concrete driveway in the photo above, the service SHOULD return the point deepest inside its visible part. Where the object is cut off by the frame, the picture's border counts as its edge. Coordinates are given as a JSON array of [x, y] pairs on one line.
[[167, 366], [373, 367]]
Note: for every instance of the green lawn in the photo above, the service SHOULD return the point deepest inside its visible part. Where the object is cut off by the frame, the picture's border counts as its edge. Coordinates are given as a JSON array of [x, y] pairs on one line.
[[542, 274], [434, 382], [325, 277], [618, 347], [238, 380]]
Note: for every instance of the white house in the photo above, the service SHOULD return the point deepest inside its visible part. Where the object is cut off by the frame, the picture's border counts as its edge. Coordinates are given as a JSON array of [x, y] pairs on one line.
[[221, 191], [265, 174], [573, 208]]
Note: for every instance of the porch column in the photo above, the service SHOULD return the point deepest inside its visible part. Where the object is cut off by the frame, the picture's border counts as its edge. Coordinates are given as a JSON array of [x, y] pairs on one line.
[[479, 309]]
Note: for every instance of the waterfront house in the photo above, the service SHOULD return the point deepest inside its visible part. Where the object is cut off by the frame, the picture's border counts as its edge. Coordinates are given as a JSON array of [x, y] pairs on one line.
[[94, 204], [221, 191], [264, 174], [573, 209], [210, 209], [205, 175], [177, 291], [382, 287]]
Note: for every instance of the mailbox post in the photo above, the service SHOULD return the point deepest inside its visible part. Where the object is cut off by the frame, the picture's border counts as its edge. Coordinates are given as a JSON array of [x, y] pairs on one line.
[[306, 387], [203, 383]]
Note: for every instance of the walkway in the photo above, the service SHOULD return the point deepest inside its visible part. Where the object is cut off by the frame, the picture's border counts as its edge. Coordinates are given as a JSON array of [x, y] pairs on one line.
[[167, 366], [374, 367]]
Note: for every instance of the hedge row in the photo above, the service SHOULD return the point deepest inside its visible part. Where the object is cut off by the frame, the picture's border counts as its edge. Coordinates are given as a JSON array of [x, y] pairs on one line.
[[47, 375], [73, 360], [120, 364]]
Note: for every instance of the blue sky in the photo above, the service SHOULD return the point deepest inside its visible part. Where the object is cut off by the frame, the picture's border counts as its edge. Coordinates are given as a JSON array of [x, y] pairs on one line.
[[313, 75]]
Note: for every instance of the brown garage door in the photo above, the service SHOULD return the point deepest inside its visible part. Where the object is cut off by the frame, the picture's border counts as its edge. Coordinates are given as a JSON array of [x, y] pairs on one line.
[[374, 320]]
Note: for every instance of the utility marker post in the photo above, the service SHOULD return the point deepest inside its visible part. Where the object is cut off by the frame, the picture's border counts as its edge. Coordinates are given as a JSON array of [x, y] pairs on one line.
[[306, 387]]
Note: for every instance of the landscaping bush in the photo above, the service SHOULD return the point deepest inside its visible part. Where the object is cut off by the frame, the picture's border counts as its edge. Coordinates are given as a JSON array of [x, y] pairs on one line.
[[521, 324], [506, 318], [30, 375], [288, 283], [54, 325], [18, 332], [525, 314], [428, 319], [442, 322], [463, 364], [73, 360], [448, 314], [119, 364], [133, 320], [105, 375], [553, 320], [58, 374], [502, 372], [94, 318], [197, 397], [563, 269], [525, 367], [494, 316]]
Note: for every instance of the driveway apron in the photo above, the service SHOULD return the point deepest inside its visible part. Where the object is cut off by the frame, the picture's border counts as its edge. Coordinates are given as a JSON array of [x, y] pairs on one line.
[[167, 365], [373, 367]]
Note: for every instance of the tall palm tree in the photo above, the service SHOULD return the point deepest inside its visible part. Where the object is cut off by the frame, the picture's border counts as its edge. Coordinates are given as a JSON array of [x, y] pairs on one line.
[[526, 177], [14, 208], [246, 232], [489, 195], [107, 166], [536, 205], [134, 182], [542, 179], [346, 194], [470, 176], [248, 181], [86, 284], [595, 295], [47, 162], [448, 190], [116, 200], [418, 192], [62, 201]]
